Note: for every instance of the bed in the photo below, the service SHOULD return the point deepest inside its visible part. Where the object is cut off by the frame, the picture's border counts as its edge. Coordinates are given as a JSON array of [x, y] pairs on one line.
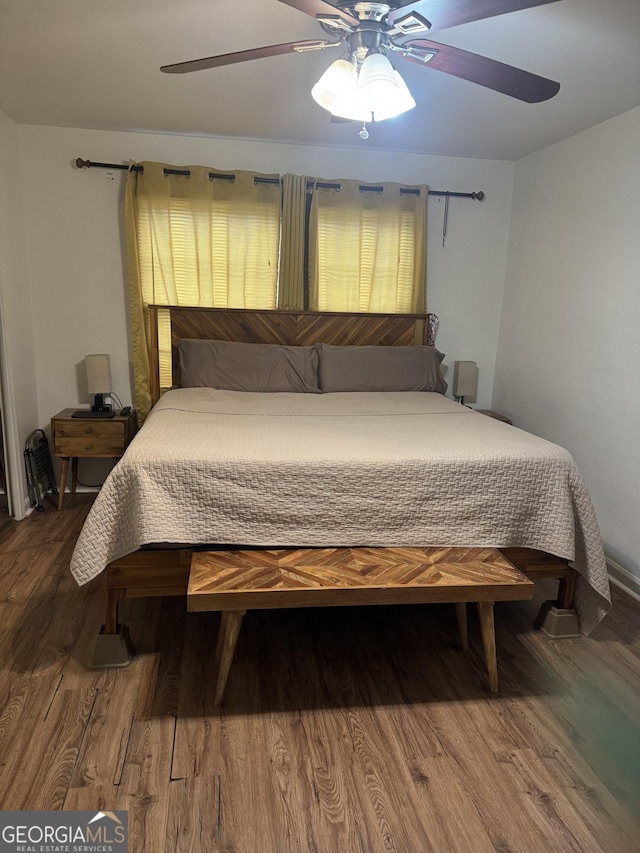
[[218, 467]]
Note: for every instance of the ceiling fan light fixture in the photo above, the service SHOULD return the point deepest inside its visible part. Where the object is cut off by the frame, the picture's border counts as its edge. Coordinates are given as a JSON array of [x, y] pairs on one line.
[[375, 92], [339, 79]]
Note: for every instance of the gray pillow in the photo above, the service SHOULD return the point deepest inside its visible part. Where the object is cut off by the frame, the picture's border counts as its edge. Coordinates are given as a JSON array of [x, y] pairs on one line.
[[233, 366], [380, 368]]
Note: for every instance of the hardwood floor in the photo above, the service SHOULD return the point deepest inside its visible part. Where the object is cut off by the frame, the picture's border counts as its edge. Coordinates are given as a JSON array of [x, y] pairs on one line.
[[344, 729]]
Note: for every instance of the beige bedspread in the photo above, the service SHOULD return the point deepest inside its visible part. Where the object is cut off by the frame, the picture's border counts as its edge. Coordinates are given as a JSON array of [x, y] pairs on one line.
[[377, 469]]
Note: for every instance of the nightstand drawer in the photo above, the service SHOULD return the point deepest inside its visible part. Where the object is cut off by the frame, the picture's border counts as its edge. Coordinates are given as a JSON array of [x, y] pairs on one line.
[[90, 429], [100, 445]]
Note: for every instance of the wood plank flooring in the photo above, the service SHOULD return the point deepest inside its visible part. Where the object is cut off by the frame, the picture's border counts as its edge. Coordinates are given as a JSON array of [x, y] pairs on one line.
[[342, 729]]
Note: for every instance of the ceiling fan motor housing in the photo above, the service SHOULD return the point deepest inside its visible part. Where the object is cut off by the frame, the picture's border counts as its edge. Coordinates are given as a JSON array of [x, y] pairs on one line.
[[368, 38], [373, 34]]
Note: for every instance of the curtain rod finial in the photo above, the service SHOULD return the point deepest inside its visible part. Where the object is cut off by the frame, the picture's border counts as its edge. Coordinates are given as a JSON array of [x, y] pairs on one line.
[[479, 195], [83, 164]]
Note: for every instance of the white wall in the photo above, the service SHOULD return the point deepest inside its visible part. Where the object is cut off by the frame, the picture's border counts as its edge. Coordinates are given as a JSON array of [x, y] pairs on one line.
[[569, 351], [77, 265], [17, 362]]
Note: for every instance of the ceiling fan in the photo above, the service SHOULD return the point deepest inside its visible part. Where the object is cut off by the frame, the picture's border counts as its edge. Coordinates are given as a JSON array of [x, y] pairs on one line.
[[353, 88]]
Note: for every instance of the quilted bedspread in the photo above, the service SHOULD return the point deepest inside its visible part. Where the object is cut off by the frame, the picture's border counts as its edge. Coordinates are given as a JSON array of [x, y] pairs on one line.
[[332, 470]]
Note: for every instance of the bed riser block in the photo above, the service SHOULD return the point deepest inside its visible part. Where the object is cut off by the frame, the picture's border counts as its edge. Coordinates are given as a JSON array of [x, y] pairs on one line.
[[558, 623], [112, 650]]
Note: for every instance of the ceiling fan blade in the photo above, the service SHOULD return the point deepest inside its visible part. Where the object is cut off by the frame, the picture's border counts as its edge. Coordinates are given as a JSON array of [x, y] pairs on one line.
[[319, 7], [485, 72], [451, 13], [244, 56]]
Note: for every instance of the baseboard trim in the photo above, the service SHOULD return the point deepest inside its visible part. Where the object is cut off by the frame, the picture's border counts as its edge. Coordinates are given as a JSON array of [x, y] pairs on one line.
[[623, 579]]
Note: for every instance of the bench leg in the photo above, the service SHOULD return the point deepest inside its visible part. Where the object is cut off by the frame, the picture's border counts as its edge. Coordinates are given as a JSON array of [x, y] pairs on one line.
[[227, 639], [461, 615], [485, 612]]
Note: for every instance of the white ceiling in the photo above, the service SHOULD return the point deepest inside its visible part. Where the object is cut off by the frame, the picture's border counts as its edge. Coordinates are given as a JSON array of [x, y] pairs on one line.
[[95, 64]]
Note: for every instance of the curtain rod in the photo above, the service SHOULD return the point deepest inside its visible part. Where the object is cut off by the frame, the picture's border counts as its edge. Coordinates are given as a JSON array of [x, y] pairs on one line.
[[88, 164]]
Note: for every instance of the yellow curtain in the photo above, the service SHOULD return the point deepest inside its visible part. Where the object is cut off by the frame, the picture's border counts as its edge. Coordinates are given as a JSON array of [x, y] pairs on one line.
[[196, 241], [291, 285], [367, 248]]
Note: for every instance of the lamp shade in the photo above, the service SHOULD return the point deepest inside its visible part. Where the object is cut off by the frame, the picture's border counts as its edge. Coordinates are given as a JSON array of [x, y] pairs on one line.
[[465, 379], [98, 373], [377, 83], [401, 102], [348, 106], [339, 80]]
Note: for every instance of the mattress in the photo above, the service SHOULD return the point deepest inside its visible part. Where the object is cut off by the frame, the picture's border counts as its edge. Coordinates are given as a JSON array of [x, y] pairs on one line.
[[342, 470]]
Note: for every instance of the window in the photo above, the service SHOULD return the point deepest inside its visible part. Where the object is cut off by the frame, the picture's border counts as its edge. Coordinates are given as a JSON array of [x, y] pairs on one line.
[[367, 248], [199, 237], [202, 239]]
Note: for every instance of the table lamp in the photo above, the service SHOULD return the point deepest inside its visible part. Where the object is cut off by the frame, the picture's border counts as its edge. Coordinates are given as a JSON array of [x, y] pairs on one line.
[[98, 368], [465, 380]]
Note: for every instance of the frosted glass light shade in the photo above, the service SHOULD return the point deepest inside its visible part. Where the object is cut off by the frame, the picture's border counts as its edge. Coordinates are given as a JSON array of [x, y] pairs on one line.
[[401, 102], [338, 80], [98, 373], [349, 106], [377, 85]]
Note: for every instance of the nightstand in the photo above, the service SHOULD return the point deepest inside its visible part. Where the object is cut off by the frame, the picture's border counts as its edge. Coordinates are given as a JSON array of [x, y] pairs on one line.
[[75, 437], [490, 414]]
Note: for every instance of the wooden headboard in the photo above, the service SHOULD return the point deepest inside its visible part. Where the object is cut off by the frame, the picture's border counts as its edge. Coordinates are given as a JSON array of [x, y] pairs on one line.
[[291, 328]]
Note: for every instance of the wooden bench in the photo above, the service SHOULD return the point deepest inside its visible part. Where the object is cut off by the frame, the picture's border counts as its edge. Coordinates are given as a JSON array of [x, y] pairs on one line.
[[235, 581]]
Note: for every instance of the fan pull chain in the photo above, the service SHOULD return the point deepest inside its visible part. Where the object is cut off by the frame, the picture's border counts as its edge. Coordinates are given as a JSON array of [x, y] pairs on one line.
[[445, 219]]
